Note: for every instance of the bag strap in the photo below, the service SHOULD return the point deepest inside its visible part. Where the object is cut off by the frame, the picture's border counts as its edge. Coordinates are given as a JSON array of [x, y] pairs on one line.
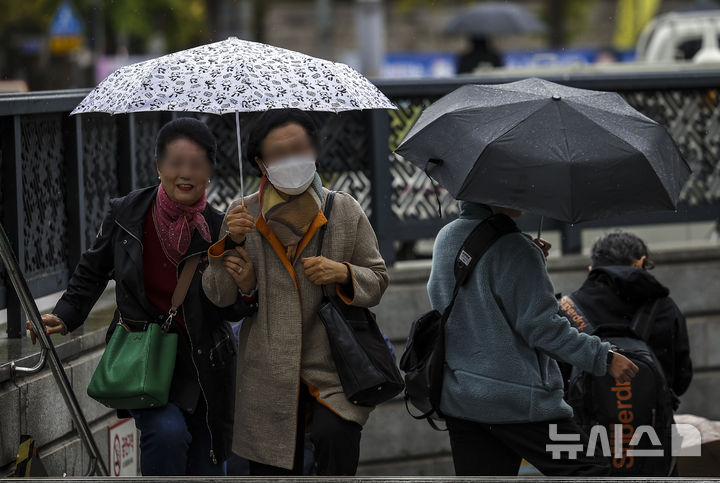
[[321, 236], [181, 289], [326, 211], [474, 247]]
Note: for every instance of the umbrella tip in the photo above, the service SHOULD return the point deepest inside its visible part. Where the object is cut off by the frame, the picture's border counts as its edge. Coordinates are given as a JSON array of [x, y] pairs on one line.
[[556, 97]]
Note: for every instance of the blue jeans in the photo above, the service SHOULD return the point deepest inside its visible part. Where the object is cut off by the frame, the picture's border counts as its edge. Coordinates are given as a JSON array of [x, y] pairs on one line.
[[175, 443]]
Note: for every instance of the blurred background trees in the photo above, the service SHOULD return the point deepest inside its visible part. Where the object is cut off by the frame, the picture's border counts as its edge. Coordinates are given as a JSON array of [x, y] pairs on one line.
[[114, 32]]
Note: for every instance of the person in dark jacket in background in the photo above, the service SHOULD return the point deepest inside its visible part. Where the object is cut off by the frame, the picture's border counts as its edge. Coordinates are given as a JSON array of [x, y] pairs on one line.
[[143, 244], [481, 55], [618, 285]]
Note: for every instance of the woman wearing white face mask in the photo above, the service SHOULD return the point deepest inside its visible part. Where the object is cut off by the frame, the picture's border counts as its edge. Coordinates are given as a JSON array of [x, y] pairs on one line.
[[286, 378]]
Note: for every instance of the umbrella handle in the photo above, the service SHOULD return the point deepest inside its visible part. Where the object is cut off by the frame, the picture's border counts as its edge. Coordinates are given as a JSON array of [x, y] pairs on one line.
[[437, 162], [240, 165], [540, 227]]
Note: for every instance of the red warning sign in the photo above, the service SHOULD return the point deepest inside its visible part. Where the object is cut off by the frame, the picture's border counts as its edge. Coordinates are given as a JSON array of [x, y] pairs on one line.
[[123, 439]]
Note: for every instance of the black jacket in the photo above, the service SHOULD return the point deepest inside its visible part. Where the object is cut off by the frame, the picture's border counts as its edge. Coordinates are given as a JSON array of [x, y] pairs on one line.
[[613, 294], [204, 374]]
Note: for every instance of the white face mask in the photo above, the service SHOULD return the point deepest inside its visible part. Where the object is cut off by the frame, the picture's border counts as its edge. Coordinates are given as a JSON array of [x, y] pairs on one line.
[[292, 175]]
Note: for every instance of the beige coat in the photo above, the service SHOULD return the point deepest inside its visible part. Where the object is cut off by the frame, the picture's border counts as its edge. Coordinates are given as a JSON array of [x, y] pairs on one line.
[[285, 341]]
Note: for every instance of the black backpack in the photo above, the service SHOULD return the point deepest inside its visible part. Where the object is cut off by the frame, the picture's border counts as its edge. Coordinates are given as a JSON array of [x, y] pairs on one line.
[[424, 358], [645, 401]]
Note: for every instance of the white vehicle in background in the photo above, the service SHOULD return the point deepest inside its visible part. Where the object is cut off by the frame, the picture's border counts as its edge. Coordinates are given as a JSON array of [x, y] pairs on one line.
[[681, 37]]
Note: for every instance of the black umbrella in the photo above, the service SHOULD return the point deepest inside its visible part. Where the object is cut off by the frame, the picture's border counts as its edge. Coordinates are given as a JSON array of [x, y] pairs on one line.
[[569, 154], [494, 18]]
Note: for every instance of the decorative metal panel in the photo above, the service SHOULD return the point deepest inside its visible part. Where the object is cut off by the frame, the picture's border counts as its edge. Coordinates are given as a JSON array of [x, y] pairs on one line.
[[692, 117], [147, 126], [44, 194], [100, 169]]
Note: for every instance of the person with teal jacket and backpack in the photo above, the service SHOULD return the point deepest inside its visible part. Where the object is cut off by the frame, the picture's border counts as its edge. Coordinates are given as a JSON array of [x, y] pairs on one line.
[[502, 392]]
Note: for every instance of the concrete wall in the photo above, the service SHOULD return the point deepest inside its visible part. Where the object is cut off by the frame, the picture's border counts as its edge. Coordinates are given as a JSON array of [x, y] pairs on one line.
[[393, 443]]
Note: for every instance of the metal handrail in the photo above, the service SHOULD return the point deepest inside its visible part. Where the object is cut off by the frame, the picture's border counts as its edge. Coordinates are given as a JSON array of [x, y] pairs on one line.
[[97, 465], [16, 370]]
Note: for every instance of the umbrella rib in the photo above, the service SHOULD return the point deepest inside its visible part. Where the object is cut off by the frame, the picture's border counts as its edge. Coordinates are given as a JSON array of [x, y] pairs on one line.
[[511, 88], [606, 130], [633, 115], [568, 156], [510, 128], [502, 88], [464, 109]]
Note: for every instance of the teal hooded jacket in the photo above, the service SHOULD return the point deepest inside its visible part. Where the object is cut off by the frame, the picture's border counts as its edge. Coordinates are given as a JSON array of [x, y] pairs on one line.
[[504, 335]]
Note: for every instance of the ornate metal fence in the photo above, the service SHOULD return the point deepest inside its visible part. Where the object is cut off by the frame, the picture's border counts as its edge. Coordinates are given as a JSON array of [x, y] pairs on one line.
[[58, 172]]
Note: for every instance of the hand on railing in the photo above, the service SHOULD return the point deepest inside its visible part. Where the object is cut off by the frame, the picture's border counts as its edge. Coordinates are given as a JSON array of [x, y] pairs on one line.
[[53, 325]]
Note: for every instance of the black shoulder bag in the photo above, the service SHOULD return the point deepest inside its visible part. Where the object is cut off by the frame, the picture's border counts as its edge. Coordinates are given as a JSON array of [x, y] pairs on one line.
[[367, 368], [424, 358]]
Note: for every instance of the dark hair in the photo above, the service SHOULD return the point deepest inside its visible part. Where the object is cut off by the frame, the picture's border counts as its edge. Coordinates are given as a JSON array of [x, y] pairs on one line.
[[186, 128], [275, 118], [619, 248]]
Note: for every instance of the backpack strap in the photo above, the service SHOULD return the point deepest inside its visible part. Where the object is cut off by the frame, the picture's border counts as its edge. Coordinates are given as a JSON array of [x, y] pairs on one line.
[[642, 320], [572, 311], [474, 247]]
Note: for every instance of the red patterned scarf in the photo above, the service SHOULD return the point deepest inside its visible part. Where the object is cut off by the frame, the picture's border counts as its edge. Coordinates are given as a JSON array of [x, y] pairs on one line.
[[176, 222]]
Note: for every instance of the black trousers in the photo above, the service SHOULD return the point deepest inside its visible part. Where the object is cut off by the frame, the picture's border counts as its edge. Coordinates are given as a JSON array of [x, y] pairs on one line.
[[498, 449], [336, 442]]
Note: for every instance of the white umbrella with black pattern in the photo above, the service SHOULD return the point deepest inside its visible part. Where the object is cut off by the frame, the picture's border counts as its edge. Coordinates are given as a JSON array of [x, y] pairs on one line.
[[234, 76]]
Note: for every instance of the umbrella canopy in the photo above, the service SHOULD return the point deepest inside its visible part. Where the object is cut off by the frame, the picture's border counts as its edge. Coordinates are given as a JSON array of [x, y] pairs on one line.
[[494, 18], [234, 76], [569, 154]]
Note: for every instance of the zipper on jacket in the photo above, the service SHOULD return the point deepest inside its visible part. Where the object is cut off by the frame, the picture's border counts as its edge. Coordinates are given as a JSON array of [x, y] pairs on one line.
[[197, 371]]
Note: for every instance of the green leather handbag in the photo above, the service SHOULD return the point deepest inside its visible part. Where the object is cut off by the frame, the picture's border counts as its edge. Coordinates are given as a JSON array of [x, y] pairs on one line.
[[136, 369]]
